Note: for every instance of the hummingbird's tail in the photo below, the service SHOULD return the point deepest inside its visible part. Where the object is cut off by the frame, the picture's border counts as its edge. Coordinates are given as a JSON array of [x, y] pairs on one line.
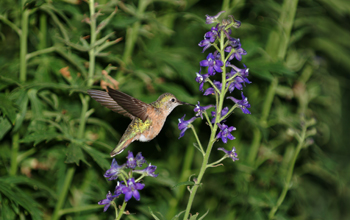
[[121, 146]]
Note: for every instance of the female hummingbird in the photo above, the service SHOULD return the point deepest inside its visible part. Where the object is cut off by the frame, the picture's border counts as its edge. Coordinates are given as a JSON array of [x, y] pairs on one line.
[[147, 119]]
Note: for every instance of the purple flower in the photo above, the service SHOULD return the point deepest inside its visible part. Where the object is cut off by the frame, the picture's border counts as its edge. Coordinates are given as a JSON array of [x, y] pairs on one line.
[[148, 171], [140, 160], [114, 171], [231, 154], [119, 188], [242, 104], [235, 45], [240, 80], [183, 125], [213, 64], [223, 113], [131, 162], [225, 132], [107, 202], [205, 44], [200, 109], [211, 90], [201, 79], [131, 190], [212, 34], [212, 19]]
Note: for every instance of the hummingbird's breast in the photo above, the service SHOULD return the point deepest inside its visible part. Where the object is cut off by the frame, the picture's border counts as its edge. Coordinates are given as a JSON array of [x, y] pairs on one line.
[[152, 126]]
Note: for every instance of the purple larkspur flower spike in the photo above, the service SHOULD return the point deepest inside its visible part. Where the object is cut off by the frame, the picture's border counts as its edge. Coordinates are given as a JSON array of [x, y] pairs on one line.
[[225, 132], [231, 154], [114, 171], [183, 125], [242, 104], [132, 190], [212, 19], [107, 202]]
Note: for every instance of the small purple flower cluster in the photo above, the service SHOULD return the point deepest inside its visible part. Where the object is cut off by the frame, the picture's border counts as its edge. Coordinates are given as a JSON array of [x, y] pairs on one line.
[[232, 77], [131, 187]]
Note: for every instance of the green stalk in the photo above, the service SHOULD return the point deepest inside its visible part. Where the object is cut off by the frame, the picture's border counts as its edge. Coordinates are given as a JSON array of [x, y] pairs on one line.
[[133, 32], [121, 211], [85, 106], [92, 42], [63, 193], [43, 31], [14, 154], [23, 46], [213, 132], [289, 174]]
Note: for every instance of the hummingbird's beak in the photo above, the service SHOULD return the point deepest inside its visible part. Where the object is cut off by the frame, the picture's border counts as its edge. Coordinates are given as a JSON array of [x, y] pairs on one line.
[[185, 103]]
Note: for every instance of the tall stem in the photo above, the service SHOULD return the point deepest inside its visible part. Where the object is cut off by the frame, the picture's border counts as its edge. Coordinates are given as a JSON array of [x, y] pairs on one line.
[[92, 42], [14, 154], [23, 46], [289, 174]]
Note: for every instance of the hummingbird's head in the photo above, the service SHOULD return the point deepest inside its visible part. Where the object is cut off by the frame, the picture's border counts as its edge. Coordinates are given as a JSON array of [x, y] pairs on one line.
[[168, 102]]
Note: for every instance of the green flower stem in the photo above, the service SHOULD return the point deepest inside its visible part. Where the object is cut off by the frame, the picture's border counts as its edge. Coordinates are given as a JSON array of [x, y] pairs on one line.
[[115, 208], [43, 31], [121, 211], [208, 120], [92, 55], [23, 46], [213, 133], [133, 32], [140, 178], [63, 193], [289, 174], [39, 52], [211, 83], [198, 141], [216, 162], [14, 154]]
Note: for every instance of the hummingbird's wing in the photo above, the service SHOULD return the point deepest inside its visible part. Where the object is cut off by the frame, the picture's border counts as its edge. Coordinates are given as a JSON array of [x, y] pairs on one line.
[[104, 99], [133, 106]]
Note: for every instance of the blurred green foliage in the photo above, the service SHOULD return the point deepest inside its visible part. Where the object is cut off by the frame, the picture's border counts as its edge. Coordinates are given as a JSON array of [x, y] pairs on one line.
[[55, 141]]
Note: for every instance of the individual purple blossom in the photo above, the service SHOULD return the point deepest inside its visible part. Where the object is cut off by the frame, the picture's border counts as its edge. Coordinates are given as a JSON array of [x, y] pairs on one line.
[[212, 63], [242, 104], [212, 19], [132, 190], [148, 171], [107, 202], [231, 154], [119, 188], [238, 51], [140, 160], [131, 162], [205, 44], [199, 109], [224, 111], [209, 38], [239, 80], [201, 79], [211, 90], [114, 171], [183, 125], [225, 132]]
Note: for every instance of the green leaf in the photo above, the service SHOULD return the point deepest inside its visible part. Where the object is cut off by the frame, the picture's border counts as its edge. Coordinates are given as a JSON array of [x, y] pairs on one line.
[[39, 136], [5, 126], [153, 215], [8, 108], [204, 215], [99, 158], [187, 183], [17, 196], [176, 217], [22, 102], [75, 154]]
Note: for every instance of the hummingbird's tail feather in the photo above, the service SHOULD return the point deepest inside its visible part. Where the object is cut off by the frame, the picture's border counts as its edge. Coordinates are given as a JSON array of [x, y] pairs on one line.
[[121, 146]]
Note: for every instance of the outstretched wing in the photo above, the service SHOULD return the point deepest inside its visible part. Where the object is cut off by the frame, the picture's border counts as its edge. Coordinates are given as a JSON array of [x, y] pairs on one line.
[[133, 106], [104, 99]]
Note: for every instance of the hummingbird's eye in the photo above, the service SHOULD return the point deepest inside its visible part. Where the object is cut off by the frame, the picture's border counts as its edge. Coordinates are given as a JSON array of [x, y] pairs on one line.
[[173, 100]]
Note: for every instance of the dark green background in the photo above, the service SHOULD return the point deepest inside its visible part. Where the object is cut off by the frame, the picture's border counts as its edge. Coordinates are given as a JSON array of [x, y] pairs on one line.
[[313, 71]]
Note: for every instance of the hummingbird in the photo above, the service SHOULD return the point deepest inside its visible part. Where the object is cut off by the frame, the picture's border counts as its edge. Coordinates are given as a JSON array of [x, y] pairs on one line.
[[147, 119]]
